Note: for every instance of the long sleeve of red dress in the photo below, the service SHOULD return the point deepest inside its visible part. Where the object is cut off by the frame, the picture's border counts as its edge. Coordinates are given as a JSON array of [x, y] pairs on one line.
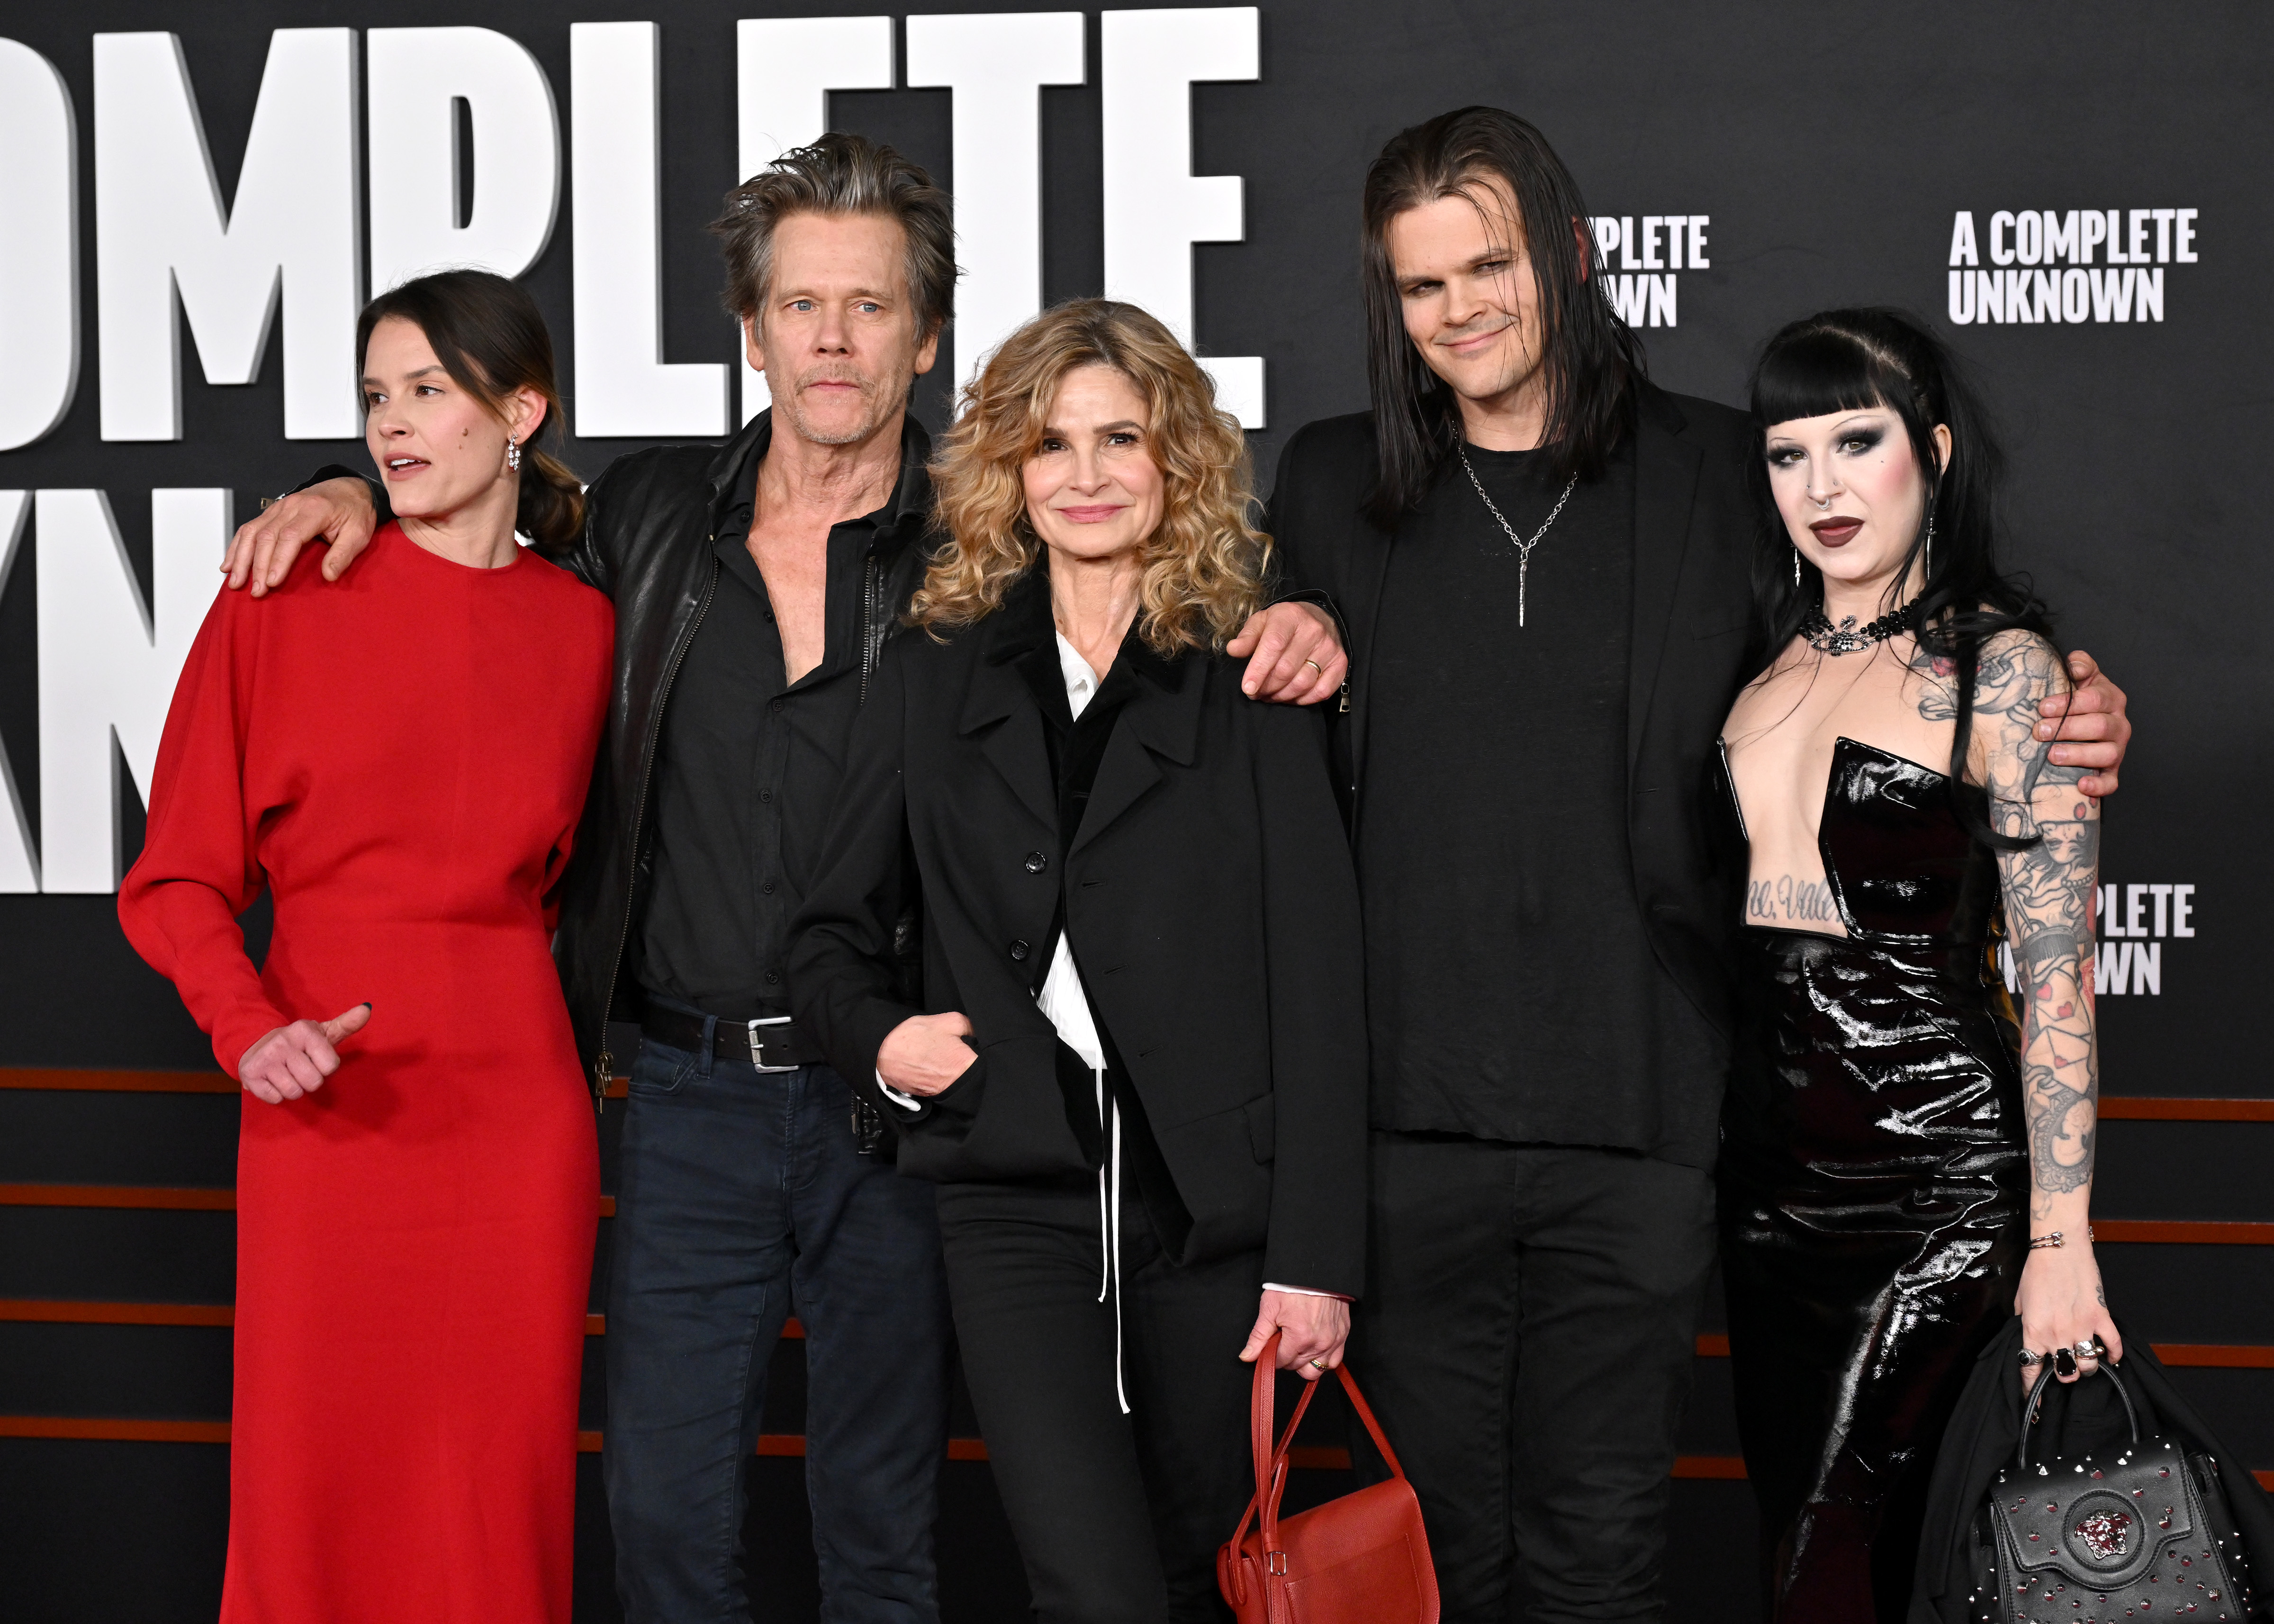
[[199, 870]]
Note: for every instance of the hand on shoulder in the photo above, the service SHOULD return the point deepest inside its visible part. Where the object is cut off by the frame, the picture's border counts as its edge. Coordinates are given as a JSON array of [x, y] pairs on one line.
[[338, 511]]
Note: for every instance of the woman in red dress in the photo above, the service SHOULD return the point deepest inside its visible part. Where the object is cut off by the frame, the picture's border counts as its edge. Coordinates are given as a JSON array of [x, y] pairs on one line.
[[399, 759]]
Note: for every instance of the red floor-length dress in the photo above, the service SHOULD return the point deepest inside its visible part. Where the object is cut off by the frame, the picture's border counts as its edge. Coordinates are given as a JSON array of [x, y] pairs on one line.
[[399, 759]]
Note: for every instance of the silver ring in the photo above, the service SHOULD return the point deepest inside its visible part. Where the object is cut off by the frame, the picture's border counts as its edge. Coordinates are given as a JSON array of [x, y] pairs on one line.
[[2030, 1355], [2086, 1349]]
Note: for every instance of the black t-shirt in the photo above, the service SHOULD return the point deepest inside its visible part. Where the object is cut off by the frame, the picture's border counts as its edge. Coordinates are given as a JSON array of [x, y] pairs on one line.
[[1512, 992]]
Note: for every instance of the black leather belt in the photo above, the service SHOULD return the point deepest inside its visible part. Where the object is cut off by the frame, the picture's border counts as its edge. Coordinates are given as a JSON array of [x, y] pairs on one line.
[[778, 1045]]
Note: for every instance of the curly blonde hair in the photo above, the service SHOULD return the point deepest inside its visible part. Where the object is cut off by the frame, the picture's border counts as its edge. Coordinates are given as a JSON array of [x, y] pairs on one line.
[[1204, 568]]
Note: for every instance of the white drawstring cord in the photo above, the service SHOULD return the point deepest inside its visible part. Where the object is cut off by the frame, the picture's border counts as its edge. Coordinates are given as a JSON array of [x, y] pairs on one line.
[[1104, 1212], [1108, 1222], [1066, 1006]]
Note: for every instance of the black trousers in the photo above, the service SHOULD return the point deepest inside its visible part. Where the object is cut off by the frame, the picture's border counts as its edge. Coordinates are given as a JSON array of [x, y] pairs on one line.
[[1117, 1517], [1526, 1338]]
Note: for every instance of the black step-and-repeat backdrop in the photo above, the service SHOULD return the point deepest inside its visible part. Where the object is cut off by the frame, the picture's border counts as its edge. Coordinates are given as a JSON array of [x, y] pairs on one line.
[[194, 199]]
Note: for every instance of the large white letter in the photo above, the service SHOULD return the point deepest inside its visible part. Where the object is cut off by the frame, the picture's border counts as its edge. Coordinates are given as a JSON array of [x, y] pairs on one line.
[[1156, 207], [39, 262], [416, 74], [997, 65], [19, 862], [623, 385], [160, 227], [785, 68], [107, 664]]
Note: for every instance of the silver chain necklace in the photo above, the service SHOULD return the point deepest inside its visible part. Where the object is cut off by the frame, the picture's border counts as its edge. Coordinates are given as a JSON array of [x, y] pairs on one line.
[[1522, 547]]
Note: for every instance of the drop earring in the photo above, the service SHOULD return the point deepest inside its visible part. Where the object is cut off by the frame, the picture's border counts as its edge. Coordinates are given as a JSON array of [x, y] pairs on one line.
[[1927, 553], [1795, 566], [513, 456]]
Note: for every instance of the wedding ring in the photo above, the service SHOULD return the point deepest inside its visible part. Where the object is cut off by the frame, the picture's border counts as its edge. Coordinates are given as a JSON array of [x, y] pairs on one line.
[[1314, 666]]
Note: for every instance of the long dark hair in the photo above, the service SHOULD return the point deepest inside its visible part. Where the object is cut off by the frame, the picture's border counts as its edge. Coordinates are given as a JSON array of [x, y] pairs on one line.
[[1853, 360], [491, 338], [1590, 358]]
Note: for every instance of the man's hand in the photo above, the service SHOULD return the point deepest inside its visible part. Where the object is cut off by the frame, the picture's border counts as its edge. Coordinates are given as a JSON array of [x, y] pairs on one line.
[[1297, 655], [2090, 724], [263, 549], [925, 1053], [290, 1062], [1312, 1331]]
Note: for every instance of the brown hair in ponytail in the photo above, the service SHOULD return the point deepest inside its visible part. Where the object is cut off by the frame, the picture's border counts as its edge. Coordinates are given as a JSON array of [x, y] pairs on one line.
[[489, 337]]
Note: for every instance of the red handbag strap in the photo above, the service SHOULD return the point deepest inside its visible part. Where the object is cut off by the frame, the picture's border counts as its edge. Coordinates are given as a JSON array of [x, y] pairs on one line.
[[1259, 1434], [1267, 1368], [1270, 1457], [1258, 1415], [1373, 1428]]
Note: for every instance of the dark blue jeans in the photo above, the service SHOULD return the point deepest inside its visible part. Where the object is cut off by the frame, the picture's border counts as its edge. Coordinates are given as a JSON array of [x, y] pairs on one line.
[[742, 1193]]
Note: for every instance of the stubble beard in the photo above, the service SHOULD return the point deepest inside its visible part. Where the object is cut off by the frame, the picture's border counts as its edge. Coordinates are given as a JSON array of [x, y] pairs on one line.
[[873, 396]]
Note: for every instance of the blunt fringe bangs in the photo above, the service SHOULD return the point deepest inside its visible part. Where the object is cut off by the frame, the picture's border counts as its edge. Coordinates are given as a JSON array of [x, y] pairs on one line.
[[1592, 360], [1865, 358], [492, 339], [1203, 569]]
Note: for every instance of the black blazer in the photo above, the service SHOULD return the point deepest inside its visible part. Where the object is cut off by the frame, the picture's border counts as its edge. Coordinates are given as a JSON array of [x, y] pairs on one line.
[[1694, 529], [1212, 911]]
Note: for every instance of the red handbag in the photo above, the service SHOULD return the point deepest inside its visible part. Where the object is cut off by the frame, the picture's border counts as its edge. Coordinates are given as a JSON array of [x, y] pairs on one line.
[[1363, 1559]]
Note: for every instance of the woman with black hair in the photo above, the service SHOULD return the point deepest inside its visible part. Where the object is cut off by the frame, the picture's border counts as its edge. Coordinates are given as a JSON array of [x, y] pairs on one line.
[[1905, 1160], [399, 762]]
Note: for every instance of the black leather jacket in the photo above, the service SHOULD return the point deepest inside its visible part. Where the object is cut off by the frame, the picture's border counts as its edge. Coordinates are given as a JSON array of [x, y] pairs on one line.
[[649, 520]]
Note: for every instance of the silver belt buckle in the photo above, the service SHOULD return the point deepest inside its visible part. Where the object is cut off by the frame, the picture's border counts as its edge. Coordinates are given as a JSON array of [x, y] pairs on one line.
[[757, 1044]]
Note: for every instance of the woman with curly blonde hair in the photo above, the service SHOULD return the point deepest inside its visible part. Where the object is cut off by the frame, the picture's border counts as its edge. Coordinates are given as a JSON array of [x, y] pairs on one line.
[[1199, 576], [1138, 1076]]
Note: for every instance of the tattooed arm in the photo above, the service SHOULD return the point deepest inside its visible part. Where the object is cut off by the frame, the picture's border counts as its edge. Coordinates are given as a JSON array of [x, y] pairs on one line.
[[2050, 889]]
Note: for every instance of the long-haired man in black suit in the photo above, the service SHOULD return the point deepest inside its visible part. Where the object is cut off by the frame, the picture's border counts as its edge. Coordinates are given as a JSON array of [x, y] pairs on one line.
[[1542, 559]]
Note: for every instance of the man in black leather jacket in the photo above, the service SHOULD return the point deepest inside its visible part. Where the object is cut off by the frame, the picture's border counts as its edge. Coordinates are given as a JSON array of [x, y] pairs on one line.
[[755, 585]]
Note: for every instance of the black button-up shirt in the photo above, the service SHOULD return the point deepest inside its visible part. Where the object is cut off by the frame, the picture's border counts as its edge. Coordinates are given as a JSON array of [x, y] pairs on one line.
[[748, 762]]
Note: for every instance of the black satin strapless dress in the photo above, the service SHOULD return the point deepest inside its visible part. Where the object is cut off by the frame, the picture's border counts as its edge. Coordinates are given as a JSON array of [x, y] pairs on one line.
[[1873, 1186]]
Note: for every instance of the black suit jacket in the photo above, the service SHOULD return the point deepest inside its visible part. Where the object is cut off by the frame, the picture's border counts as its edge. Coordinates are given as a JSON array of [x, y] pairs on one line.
[[1210, 904], [1694, 529]]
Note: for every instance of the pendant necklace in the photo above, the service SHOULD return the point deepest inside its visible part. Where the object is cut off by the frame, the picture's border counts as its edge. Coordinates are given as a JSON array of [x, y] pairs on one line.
[[1522, 547], [1849, 638]]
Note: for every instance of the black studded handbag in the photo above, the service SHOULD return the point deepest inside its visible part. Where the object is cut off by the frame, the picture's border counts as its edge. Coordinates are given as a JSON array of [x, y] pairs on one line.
[[2142, 1535]]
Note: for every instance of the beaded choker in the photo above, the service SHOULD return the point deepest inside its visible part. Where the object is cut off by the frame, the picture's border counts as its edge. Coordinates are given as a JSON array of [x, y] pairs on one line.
[[1849, 638]]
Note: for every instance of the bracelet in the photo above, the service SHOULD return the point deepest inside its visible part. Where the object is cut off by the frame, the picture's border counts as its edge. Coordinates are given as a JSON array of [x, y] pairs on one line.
[[2039, 1242]]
